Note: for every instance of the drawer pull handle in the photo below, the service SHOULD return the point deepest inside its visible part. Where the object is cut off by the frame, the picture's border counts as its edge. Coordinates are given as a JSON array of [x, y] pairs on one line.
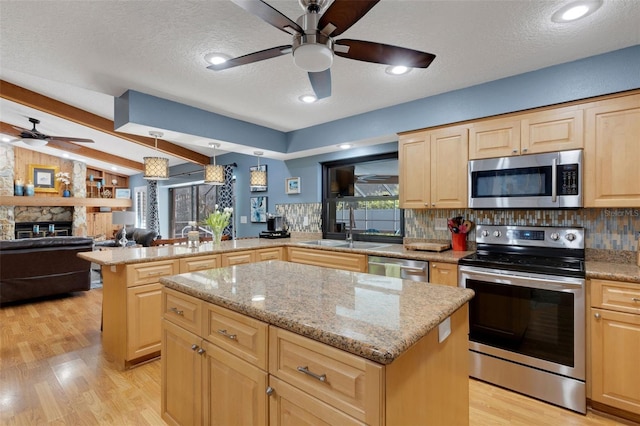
[[225, 334], [177, 312], [635, 299], [305, 370]]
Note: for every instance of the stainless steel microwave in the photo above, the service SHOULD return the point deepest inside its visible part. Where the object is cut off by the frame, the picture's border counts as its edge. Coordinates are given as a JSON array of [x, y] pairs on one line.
[[538, 181]]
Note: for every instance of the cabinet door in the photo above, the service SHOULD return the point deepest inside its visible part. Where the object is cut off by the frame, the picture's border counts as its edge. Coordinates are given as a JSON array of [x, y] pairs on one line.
[[414, 159], [181, 395], [494, 138], [275, 253], [615, 345], [449, 167], [235, 392], [444, 273], [611, 153], [237, 258], [554, 130], [289, 406], [144, 310]]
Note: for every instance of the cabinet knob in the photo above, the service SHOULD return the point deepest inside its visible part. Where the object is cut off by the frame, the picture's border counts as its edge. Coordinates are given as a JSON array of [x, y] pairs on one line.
[[433, 204], [515, 151], [194, 347], [434, 266], [597, 315], [525, 149], [269, 390], [201, 351], [635, 299]]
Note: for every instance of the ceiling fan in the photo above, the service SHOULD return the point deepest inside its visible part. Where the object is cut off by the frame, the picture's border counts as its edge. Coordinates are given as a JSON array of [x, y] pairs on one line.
[[34, 138], [313, 46]]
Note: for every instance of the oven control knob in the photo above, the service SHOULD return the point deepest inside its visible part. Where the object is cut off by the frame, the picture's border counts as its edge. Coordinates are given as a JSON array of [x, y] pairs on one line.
[[570, 236], [485, 233], [554, 236], [497, 234]]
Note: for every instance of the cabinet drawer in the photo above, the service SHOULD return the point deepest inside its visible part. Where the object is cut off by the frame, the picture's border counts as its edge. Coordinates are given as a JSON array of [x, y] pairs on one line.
[[345, 261], [269, 254], [242, 336], [345, 381], [150, 272], [199, 263], [237, 258], [182, 309], [615, 296]]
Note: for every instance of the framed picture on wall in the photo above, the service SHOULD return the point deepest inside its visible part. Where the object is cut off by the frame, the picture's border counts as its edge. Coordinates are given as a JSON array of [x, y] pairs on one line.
[[123, 193], [43, 178], [292, 185], [259, 209], [263, 186]]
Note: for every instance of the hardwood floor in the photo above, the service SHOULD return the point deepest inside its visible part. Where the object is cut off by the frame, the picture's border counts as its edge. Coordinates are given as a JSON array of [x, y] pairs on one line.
[[53, 371]]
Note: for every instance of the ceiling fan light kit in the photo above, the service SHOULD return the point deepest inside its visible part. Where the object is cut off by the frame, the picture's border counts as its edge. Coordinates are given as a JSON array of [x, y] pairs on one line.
[[313, 46], [156, 168], [36, 139], [34, 142]]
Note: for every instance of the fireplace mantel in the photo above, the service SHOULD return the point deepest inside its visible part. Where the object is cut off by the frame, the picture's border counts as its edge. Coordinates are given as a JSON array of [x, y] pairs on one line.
[[64, 201]]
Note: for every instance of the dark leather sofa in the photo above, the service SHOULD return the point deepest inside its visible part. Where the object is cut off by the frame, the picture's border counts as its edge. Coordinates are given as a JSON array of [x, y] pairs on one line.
[[135, 236], [38, 267]]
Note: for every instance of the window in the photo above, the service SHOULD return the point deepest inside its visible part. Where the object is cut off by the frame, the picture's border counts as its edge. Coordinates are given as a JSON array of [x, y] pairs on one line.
[[369, 185], [140, 200], [190, 203]]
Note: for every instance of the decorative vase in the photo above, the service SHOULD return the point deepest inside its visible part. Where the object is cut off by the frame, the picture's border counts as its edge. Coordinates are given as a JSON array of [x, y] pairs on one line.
[[217, 237], [29, 190], [19, 188], [66, 193], [459, 241]]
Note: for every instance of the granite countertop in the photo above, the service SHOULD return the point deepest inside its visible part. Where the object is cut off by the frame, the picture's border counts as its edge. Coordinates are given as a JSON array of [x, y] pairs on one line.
[[604, 270], [371, 316], [130, 255]]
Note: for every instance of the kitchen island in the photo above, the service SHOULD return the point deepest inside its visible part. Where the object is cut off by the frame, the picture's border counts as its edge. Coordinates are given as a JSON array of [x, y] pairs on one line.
[[276, 342]]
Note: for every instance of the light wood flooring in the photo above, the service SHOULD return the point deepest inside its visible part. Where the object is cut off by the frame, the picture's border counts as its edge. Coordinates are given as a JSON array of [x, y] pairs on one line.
[[53, 371]]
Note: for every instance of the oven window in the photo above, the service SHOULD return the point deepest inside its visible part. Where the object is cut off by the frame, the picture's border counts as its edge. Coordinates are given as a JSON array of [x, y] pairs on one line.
[[529, 321], [524, 182]]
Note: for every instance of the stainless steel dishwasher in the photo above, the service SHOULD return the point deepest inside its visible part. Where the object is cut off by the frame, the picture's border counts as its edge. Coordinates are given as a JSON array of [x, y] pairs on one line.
[[414, 270]]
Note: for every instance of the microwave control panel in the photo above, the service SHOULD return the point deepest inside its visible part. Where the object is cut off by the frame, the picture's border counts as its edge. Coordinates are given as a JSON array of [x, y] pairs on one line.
[[568, 175]]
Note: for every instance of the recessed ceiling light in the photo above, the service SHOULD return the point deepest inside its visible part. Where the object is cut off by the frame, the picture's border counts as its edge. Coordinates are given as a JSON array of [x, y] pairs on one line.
[[576, 10], [345, 146], [65, 155], [308, 99], [114, 168], [397, 69], [216, 58]]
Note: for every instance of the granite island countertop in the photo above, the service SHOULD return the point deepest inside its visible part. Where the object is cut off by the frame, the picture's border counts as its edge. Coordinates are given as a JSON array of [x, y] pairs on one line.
[[131, 255], [372, 316]]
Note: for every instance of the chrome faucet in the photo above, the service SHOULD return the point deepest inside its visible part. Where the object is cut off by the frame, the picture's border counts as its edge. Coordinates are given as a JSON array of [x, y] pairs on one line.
[[352, 224]]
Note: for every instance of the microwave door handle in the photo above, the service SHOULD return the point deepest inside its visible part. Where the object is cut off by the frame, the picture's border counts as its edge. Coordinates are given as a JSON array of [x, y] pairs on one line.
[[554, 180]]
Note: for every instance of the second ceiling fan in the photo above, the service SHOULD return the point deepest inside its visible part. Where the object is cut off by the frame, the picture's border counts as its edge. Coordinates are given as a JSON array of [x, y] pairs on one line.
[[313, 45]]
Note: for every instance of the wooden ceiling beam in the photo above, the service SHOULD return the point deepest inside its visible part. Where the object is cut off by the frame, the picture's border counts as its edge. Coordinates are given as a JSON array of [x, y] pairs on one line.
[[82, 150], [51, 106]]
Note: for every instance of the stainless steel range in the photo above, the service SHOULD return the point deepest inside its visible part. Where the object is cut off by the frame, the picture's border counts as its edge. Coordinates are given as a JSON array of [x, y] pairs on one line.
[[527, 319]]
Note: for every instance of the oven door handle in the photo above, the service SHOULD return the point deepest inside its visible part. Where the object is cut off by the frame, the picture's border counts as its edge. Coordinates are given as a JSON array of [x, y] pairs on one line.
[[546, 283]]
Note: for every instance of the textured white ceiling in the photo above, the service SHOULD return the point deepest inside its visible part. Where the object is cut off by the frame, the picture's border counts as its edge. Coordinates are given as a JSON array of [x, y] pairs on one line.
[[85, 53]]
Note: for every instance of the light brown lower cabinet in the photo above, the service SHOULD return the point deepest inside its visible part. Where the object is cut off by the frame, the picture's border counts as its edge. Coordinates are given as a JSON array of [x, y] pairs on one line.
[[212, 374], [615, 345], [443, 273], [330, 259]]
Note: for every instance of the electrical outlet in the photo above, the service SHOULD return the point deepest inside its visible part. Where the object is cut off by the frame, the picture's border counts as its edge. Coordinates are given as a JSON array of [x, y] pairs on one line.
[[441, 224], [243, 219]]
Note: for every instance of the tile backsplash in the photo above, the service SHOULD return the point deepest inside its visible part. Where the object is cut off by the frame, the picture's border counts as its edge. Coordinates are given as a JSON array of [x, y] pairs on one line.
[[605, 228]]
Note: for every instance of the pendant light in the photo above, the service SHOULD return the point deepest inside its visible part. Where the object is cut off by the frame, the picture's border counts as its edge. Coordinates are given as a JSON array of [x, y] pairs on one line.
[[156, 168], [213, 174], [258, 177]]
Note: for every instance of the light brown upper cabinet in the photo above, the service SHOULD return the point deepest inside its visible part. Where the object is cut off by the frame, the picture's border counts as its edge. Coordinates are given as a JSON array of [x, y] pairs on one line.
[[557, 129], [433, 168], [612, 153]]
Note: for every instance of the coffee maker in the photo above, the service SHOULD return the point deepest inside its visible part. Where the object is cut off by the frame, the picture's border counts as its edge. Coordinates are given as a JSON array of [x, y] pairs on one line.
[[276, 228]]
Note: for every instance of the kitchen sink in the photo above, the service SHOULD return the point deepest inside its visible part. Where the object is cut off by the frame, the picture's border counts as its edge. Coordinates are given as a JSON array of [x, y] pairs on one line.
[[345, 244]]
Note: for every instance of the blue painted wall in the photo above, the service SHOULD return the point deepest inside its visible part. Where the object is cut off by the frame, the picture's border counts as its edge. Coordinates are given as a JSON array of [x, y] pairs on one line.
[[603, 74]]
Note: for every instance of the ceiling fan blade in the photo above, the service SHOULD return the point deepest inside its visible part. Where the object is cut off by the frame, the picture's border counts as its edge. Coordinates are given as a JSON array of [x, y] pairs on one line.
[[269, 15], [384, 54], [68, 139], [321, 83], [342, 14], [252, 57]]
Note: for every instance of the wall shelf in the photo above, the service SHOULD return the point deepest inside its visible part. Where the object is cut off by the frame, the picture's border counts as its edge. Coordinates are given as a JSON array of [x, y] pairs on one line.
[[64, 201]]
